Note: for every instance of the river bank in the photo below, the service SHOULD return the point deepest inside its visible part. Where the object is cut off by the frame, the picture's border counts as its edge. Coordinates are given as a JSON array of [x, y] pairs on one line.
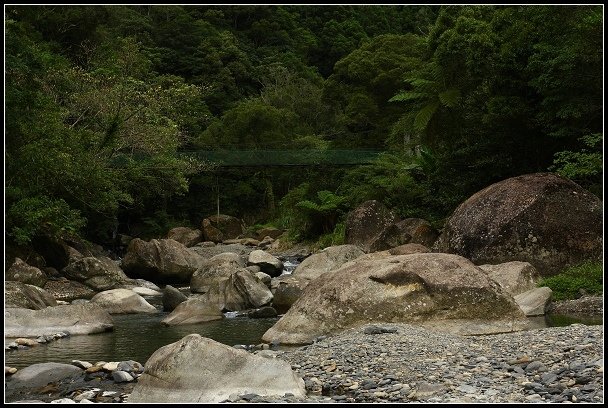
[[554, 364]]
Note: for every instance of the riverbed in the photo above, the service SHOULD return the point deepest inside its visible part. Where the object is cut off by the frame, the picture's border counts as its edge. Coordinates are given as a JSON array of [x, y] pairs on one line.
[[137, 336]]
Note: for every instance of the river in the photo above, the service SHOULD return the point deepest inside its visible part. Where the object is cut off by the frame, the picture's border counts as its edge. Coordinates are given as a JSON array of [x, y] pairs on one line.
[[137, 336]]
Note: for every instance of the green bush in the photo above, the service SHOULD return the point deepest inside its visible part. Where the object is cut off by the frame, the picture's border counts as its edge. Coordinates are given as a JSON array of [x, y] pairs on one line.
[[42, 215], [587, 276], [333, 238]]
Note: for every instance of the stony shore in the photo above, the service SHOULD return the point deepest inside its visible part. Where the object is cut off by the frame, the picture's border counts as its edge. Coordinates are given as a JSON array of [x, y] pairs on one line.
[[400, 363], [558, 364]]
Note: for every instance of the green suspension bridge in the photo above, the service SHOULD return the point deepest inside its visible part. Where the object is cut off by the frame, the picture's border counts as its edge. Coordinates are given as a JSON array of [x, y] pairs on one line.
[[303, 157]]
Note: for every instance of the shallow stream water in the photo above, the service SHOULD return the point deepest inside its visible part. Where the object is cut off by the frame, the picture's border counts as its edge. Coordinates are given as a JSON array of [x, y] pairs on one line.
[[137, 336]]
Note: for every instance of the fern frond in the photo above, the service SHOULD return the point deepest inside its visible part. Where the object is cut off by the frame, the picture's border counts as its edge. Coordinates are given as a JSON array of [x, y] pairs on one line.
[[424, 116], [407, 96], [420, 82], [450, 97]]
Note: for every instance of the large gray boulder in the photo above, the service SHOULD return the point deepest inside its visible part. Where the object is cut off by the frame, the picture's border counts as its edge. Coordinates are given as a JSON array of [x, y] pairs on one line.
[[514, 277], [17, 294], [218, 228], [121, 301], [186, 236], [197, 309], [229, 284], [424, 288], [24, 273], [240, 291], [73, 319], [541, 218], [366, 222], [99, 273], [200, 370], [267, 263], [286, 289], [215, 270], [160, 261]]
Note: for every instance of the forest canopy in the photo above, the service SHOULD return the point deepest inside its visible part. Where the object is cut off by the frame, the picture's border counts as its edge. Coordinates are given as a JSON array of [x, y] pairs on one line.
[[107, 106]]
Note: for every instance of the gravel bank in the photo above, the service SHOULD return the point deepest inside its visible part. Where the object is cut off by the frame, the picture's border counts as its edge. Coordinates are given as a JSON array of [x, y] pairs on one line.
[[558, 364]]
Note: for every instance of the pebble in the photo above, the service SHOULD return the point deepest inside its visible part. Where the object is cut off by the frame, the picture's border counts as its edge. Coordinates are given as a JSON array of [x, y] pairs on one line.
[[121, 376], [9, 370], [23, 343]]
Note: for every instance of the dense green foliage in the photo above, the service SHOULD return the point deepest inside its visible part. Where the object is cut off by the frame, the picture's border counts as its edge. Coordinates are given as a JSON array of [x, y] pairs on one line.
[[104, 105], [584, 278]]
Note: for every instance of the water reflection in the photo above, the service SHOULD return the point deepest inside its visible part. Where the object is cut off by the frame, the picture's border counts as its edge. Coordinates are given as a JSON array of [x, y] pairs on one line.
[[136, 337]]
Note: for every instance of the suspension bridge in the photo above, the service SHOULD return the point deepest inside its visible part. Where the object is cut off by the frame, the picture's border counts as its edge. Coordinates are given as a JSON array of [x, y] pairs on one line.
[[303, 157]]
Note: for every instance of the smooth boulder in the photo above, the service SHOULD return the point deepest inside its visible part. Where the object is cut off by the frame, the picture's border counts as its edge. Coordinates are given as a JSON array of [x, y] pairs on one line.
[[328, 259], [535, 301], [121, 301], [196, 369], [286, 289], [425, 288], [197, 309], [160, 261], [214, 270], [38, 375], [229, 285], [541, 218], [73, 319], [172, 297]]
